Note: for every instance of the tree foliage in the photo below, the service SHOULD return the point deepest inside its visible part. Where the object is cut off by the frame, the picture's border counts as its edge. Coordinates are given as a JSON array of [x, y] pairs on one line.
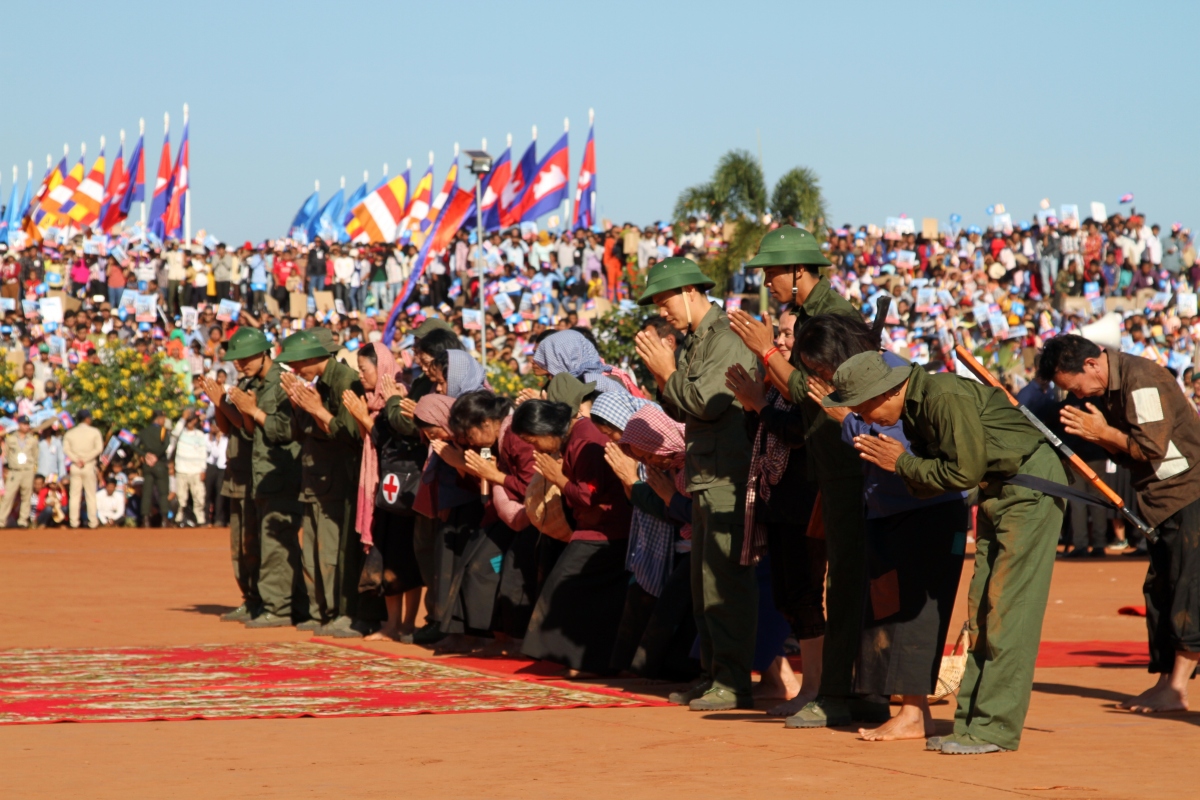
[[737, 195]]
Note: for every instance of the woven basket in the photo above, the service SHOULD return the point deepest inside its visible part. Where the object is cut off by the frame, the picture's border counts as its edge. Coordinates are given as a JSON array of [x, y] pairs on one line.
[[953, 666]]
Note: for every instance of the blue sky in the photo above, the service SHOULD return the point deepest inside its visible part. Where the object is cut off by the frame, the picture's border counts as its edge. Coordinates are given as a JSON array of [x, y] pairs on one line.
[[919, 108]]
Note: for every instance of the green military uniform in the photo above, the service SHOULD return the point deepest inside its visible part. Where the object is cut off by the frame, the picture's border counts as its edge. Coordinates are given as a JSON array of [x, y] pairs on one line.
[[332, 554], [244, 547], [156, 481], [724, 592], [275, 476], [838, 471], [963, 434], [22, 459]]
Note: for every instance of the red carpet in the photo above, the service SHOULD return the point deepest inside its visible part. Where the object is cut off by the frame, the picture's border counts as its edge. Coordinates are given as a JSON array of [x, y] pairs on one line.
[[259, 681]]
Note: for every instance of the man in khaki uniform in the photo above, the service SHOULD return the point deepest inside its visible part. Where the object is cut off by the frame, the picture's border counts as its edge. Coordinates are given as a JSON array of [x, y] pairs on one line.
[[21, 451], [330, 452], [82, 445], [691, 385]]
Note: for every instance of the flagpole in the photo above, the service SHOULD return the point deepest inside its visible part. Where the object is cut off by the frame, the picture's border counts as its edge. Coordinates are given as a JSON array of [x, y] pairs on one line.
[[187, 194]]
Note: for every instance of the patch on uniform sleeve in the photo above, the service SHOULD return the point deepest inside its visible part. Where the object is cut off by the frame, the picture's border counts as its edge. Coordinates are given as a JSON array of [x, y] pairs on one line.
[[1147, 404], [1173, 464]]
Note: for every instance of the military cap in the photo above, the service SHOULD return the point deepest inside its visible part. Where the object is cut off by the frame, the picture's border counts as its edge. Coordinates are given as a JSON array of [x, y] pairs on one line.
[[246, 342], [673, 273], [301, 346], [786, 246], [863, 377]]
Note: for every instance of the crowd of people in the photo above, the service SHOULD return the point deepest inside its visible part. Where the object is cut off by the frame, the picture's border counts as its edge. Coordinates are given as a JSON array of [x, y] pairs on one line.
[[766, 485]]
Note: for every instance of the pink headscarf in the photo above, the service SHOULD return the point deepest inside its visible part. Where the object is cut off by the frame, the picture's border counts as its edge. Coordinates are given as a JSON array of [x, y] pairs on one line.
[[432, 409], [650, 429], [368, 472]]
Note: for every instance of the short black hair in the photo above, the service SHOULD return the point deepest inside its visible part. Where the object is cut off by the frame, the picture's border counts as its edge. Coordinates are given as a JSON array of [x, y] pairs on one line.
[[543, 418], [436, 344], [831, 339], [472, 409], [1066, 354], [663, 328]]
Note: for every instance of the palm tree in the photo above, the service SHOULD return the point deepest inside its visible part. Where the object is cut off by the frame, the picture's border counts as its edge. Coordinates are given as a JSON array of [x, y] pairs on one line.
[[737, 194]]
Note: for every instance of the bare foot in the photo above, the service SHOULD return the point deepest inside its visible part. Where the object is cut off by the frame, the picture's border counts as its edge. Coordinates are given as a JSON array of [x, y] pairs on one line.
[[1164, 701], [579, 675], [1164, 680], [383, 636], [901, 726], [792, 706]]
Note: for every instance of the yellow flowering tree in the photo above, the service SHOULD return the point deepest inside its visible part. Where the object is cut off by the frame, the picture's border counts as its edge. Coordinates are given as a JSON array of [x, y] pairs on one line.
[[508, 383], [9, 375], [123, 390]]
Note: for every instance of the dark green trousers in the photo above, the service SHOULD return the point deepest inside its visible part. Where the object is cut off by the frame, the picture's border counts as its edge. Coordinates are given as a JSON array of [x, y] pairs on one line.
[[845, 583], [156, 488], [724, 593], [280, 576], [333, 559], [244, 548], [1016, 538]]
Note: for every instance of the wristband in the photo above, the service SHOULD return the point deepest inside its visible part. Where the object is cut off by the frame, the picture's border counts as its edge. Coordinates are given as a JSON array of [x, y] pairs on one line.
[[766, 357]]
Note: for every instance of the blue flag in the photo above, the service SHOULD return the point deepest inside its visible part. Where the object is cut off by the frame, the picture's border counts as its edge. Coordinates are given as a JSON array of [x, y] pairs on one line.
[[299, 226]]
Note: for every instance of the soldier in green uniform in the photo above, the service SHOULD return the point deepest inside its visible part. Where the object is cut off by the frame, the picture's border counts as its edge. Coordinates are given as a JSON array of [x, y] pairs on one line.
[[691, 385], [151, 445], [274, 475], [963, 435], [791, 259], [330, 451], [244, 547], [21, 457]]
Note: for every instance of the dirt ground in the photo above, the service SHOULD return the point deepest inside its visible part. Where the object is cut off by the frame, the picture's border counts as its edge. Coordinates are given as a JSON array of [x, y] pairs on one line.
[[127, 587]]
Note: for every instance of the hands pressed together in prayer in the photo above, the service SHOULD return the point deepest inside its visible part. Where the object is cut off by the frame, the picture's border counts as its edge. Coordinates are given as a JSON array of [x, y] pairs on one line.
[[625, 467], [657, 357], [758, 335], [357, 406], [306, 398], [484, 468], [818, 390], [1087, 423], [550, 468], [660, 483], [881, 450], [748, 391]]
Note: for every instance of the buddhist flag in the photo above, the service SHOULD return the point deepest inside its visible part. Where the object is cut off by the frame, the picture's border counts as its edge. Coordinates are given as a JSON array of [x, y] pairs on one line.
[[57, 201], [377, 218], [89, 195], [39, 208], [417, 220]]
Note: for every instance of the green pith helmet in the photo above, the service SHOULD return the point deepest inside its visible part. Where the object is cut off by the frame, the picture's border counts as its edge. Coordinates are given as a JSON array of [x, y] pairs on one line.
[[300, 346], [429, 326], [673, 273], [566, 388], [786, 246], [246, 342], [325, 337]]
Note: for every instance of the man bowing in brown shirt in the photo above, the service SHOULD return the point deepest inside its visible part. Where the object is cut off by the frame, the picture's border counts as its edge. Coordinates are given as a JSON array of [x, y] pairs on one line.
[[1142, 417]]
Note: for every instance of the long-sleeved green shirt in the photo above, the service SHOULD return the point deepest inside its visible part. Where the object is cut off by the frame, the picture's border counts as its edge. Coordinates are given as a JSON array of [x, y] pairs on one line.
[[960, 433], [718, 449], [276, 461], [330, 460], [239, 454], [828, 456]]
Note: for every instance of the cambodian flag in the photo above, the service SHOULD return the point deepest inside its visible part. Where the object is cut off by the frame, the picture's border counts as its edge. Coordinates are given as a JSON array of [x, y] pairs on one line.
[[117, 181], [177, 207], [162, 189], [512, 194], [550, 185], [135, 189], [497, 185], [585, 187]]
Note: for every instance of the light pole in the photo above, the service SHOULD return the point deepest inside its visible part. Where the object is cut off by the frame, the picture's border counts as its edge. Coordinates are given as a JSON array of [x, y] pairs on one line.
[[481, 165]]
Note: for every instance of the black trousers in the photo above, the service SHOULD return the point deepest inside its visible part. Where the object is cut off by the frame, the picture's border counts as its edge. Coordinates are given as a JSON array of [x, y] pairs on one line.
[[914, 562], [216, 509], [1172, 588], [155, 491], [656, 633]]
